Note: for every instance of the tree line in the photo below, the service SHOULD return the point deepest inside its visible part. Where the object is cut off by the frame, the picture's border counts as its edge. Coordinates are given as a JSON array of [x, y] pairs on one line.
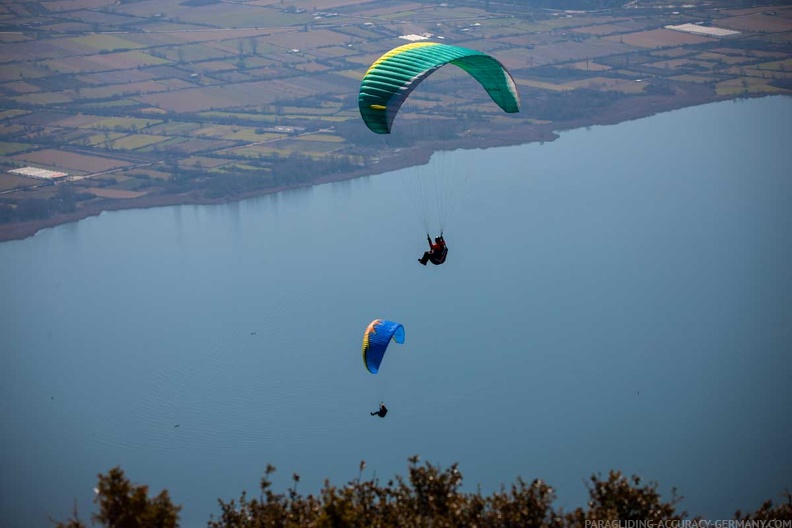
[[296, 169], [428, 497]]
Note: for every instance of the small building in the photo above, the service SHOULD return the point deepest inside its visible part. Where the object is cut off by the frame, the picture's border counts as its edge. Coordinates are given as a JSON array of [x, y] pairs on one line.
[[415, 38], [707, 31], [40, 174]]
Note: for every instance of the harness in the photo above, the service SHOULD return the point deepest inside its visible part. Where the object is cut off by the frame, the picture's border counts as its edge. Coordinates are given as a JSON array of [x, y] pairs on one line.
[[439, 259]]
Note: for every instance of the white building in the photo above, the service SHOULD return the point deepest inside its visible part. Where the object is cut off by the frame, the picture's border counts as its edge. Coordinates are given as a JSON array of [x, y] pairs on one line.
[[41, 174], [707, 31]]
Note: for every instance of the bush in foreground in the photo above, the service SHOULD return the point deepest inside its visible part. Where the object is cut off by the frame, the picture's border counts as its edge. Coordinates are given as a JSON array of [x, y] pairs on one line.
[[430, 497]]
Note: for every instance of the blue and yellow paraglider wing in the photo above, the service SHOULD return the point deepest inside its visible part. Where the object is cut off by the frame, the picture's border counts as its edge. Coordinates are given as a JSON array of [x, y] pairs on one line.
[[376, 339]]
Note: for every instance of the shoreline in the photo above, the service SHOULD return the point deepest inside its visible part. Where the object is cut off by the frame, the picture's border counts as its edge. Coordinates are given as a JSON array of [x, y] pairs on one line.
[[619, 112]]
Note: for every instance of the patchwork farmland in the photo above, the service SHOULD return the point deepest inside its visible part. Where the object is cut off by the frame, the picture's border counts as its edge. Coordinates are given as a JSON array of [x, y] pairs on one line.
[[171, 101]]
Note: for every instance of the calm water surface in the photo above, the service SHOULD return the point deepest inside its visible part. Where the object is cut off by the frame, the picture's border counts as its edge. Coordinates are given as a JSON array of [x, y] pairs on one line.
[[640, 319]]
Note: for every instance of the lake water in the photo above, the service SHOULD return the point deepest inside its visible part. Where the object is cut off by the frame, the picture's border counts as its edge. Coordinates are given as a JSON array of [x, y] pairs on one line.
[[620, 298]]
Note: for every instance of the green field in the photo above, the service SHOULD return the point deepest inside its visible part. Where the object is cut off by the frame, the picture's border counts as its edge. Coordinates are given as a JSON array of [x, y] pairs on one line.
[[7, 148]]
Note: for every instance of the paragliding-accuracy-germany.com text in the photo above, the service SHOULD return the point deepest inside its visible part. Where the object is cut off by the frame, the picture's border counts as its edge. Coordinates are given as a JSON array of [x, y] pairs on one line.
[[695, 523]]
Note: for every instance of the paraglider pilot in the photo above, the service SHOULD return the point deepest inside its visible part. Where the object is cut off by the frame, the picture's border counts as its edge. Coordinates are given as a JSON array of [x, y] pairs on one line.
[[382, 411], [437, 252]]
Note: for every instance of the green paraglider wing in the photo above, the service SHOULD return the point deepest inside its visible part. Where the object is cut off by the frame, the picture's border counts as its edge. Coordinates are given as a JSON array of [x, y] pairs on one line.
[[392, 77]]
